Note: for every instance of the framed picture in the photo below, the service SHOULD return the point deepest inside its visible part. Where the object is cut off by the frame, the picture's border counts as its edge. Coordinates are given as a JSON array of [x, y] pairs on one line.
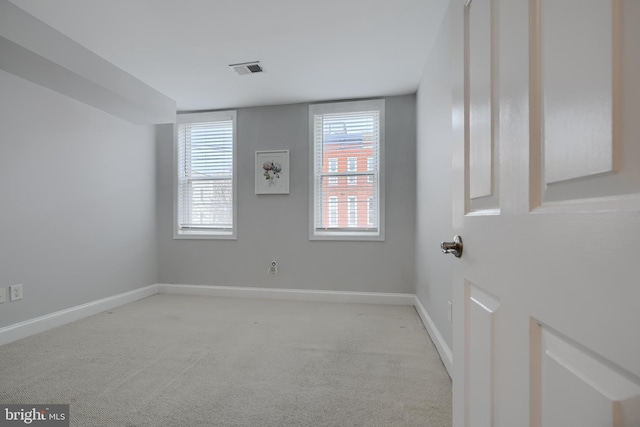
[[272, 172]]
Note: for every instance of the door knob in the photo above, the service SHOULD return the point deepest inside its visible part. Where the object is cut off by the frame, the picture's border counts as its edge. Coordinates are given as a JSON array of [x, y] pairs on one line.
[[454, 247]]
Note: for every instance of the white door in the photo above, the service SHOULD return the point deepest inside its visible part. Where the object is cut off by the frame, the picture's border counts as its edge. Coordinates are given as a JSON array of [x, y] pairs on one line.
[[547, 200]]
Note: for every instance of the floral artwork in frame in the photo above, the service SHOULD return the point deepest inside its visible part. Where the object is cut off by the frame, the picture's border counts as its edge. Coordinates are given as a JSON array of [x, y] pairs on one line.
[[272, 172]]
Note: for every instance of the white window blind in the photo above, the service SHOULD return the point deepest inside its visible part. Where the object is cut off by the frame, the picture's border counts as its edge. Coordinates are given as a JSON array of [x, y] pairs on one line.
[[352, 133], [205, 178]]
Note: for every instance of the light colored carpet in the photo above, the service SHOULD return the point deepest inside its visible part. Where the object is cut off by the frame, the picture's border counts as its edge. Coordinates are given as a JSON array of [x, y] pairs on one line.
[[187, 361]]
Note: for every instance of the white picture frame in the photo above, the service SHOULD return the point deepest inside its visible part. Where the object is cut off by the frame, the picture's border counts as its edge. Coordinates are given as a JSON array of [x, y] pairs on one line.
[[272, 172]]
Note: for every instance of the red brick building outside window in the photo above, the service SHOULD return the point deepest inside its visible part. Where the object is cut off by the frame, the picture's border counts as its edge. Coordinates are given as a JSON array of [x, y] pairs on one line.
[[349, 195]]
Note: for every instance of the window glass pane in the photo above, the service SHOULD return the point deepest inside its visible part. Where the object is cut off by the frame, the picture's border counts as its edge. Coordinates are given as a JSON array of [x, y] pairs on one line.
[[333, 211], [211, 203], [352, 166], [333, 168], [352, 212]]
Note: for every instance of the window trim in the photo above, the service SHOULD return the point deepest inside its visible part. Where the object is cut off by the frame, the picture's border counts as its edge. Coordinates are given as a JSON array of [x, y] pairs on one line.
[[344, 107], [206, 234]]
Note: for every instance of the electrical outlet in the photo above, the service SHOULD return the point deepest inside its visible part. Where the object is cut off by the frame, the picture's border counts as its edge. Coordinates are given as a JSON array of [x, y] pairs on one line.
[[449, 311], [15, 292], [1, 295], [273, 267]]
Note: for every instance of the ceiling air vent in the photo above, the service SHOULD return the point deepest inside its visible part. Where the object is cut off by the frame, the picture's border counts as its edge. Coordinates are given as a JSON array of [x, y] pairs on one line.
[[247, 68]]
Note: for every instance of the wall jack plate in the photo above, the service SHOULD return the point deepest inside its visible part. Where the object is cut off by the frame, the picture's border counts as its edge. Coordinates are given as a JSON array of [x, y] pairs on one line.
[[15, 292], [273, 267], [1, 295]]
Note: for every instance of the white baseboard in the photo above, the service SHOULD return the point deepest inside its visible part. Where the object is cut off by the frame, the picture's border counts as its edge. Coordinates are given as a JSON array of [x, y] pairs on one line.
[[49, 321], [445, 352], [289, 294]]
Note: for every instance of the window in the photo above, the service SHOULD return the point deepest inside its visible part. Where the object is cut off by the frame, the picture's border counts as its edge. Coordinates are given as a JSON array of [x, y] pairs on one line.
[[333, 168], [205, 176], [347, 135], [333, 211], [352, 166], [352, 211]]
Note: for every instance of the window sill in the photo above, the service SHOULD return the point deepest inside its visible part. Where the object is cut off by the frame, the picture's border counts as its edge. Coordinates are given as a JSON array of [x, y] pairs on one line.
[[347, 236], [210, 235]]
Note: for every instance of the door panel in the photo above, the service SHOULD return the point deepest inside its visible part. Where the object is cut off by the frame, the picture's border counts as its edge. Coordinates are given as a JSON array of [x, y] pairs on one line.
[[616, 23], [480, 100], [482, 150], [480, 320], [578, 388], [577, 45]]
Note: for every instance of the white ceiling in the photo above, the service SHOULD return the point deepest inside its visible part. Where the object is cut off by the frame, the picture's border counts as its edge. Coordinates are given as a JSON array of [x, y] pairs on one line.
[[310, 50]]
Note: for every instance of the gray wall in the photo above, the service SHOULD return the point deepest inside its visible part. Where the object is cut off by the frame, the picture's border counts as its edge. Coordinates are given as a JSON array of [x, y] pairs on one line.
[[434, 274], [277, 226], [77, 197]]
